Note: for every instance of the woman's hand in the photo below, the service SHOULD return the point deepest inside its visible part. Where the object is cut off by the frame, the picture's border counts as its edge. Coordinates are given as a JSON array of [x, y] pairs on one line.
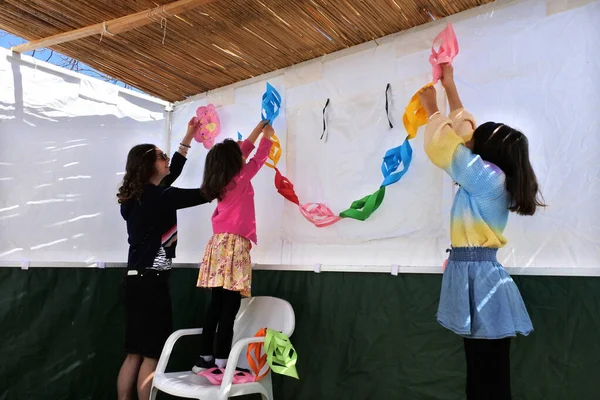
[[428, 97], [268, 131], [448, 76], [192, 127]]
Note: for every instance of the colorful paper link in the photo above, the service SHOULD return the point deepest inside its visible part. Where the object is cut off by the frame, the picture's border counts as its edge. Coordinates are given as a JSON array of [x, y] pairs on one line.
[[256, 361], [415, 115], [280, 355], [271, 104], [215, 376], [239, 136], [392, 160], [274, 154], [319, 214], [447, 51], [363, 208], [285, 187], [210, 125]]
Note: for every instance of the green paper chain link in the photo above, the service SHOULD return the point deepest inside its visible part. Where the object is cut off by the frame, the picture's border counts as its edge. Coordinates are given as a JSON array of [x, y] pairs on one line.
[[363, 208]]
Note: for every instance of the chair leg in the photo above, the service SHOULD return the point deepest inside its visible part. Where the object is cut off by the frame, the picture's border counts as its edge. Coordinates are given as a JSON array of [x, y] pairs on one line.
[[268, 385], [153, 393]]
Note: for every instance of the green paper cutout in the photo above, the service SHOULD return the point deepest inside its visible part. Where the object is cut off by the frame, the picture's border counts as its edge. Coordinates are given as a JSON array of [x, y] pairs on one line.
[[281, 355], [363, 208]]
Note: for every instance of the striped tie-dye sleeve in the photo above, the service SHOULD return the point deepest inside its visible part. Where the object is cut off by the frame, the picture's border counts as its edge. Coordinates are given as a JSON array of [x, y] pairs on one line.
[[446, 149]]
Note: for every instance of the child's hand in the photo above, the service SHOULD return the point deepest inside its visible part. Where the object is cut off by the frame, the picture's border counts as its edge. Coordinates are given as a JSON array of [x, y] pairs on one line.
[[257, 131], [448, 75], [268, 131], [261, 125], [428, 97]]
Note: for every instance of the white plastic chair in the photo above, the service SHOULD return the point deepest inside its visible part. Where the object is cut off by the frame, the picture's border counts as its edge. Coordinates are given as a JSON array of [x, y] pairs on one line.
[[255, 313]]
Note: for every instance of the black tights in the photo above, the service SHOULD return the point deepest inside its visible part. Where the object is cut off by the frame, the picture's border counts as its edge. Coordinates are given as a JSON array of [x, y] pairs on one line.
[[488, 369], [222, 310]]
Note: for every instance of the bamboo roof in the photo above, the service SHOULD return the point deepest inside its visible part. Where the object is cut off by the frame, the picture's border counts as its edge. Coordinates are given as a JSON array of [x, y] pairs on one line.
[[219, 43]]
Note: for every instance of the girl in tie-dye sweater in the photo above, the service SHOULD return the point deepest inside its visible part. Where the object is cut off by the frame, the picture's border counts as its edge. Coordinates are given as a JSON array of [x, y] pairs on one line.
[[479, 301]]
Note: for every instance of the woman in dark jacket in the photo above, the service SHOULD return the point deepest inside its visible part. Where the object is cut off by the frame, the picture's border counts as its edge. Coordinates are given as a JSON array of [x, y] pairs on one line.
[[149, 204]]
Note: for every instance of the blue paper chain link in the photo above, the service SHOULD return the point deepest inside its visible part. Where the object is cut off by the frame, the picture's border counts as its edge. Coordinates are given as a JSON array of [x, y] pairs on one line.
[[271, 104], [393, 159]]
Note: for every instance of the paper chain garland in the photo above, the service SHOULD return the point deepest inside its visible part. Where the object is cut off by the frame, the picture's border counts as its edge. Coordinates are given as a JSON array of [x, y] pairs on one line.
[[414, 117]]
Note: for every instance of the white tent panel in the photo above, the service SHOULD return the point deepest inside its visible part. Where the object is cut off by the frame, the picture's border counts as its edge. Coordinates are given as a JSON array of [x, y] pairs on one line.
[[64, 141]]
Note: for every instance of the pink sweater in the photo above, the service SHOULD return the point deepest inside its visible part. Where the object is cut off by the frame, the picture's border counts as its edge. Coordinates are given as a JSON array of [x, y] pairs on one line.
[[235, 213]]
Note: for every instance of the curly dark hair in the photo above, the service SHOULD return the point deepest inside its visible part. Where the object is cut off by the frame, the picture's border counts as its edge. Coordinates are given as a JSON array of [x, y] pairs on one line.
[[508, 149], [223, 162], [138, 171]]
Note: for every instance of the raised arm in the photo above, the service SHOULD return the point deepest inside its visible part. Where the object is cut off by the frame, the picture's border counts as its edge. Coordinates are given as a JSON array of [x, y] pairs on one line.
[[264, 148], [177, 198], [256, 132], [462, 121], [180, 156]]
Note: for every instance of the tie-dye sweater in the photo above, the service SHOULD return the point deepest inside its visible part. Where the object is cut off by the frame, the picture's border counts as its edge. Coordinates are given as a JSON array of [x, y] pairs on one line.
[[480, 209]]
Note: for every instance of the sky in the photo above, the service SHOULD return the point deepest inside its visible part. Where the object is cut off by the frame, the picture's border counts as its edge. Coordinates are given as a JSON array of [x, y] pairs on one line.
[[8, 40]]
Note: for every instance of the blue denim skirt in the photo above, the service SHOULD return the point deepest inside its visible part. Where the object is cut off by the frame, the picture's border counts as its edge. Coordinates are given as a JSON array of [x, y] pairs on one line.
[[479, 299]]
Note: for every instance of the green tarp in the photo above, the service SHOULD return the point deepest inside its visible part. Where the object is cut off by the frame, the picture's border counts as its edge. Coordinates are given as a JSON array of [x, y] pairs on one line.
[[358, 336]]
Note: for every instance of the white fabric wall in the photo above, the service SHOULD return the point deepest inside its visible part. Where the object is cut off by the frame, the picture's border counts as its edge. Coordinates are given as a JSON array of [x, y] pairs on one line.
[[64, 141], [530, 64]]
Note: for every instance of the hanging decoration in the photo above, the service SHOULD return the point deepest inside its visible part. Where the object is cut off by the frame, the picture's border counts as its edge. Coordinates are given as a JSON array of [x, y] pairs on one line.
[[388, 100], [325, 121], [446, 52], [401, 155], [363, 208], [415, 115], [271, 104], [396, 161], [209, 127], [275, 153]]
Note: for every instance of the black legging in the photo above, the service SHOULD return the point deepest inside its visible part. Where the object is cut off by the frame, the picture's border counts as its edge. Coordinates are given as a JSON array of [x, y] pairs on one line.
[[488, 369], [222, 310]]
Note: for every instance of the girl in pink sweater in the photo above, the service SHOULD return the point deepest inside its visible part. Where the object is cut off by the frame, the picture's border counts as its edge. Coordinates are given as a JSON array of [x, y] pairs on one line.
[[226, 266]]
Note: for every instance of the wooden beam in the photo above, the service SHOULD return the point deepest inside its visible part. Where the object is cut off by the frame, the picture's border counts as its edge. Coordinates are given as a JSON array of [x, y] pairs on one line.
[[114, 26]]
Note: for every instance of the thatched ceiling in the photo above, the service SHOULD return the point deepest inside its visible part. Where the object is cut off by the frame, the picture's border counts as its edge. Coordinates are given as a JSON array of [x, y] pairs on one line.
[[218, 43]]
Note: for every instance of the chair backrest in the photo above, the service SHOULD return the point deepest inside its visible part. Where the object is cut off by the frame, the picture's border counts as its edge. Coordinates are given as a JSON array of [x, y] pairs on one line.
[[262, 312]]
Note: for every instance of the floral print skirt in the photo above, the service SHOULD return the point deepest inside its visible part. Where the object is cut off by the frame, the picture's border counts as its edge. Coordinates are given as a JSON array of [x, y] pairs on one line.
[[226, 263]]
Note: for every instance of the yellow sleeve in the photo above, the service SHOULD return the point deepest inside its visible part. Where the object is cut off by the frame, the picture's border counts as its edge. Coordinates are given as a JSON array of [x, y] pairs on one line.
[[441, 141], [446, 149], [463, 123]]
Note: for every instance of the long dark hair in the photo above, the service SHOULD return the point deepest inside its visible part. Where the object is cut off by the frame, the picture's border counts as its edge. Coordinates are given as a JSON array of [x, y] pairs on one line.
[[508, 149], [223, 163], [138, 171]]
